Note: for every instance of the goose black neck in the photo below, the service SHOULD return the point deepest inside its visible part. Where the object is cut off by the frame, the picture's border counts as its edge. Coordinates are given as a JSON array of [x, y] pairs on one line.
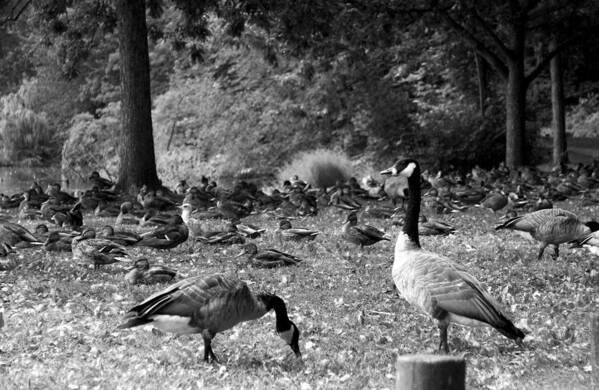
[[273, 302], [410, 226]]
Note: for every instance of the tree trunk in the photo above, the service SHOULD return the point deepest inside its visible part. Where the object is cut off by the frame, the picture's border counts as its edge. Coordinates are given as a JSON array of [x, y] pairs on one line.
[[483, 81], [560, 152], [137, 161], [430, 372], [515, 100]]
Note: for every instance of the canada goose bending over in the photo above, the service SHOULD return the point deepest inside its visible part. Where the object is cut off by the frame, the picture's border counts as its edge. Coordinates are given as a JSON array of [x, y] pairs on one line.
[[434, 283], [209, 305], [551, 226]]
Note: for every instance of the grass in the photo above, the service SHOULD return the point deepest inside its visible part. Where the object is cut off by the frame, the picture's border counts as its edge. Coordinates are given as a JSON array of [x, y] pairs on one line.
[[60, 318]]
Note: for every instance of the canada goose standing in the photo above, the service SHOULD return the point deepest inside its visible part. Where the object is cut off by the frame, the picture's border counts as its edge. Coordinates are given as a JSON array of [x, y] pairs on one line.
[[434, 283], [551, 226], [208, 306]]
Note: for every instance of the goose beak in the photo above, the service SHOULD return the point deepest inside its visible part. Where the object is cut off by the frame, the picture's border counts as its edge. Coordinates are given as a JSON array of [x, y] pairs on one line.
[[389, 171], [243, 252]]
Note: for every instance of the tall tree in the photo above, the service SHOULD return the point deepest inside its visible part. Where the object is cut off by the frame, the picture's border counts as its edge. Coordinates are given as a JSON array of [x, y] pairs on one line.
[[137, 160], [560, 150], [500, 32]]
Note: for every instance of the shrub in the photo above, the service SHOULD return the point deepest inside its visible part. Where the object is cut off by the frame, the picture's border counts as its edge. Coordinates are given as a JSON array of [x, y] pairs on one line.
[[320, 168], [25, 136], [583, 119], [92, 144]]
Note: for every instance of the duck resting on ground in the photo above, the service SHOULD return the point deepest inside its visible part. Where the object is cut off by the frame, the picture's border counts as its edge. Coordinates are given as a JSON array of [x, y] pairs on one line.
[[97, 251], [362, 235], [209, 305], [141, 272], [434, 283], [267, 258]]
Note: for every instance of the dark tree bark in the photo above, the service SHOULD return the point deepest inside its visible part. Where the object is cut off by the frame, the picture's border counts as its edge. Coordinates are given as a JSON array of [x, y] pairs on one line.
[[138, 163], [515, 98], [560, 151]]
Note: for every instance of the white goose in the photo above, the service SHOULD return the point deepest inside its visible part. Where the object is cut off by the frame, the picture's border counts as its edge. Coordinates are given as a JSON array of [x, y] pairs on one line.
[[436, 284]]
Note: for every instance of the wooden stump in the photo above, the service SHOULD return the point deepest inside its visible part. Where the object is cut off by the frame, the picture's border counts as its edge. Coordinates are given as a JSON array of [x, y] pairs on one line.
[[430, 372], [595, 345]]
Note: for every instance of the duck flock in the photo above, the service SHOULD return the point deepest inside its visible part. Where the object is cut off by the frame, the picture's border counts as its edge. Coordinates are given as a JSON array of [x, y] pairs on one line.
[[164, 219]]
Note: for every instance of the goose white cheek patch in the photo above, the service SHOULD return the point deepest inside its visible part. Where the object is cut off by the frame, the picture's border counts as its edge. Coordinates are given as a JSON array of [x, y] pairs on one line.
[[407, 171], [287, 335]]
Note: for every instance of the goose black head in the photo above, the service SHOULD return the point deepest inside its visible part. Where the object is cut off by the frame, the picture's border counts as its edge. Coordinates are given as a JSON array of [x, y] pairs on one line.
[[593, 225], [352, 218], [284, 224], [404, 167]]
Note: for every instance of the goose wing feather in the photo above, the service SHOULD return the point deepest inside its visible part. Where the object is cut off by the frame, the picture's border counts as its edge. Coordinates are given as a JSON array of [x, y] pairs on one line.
[[441, 287], [214, 303]]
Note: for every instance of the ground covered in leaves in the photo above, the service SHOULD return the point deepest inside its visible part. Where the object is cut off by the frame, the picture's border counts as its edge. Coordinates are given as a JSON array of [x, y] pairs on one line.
[[60, 318]]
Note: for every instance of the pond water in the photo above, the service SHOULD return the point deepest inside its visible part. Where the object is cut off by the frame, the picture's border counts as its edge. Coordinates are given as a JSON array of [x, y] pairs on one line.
[[18, 179]]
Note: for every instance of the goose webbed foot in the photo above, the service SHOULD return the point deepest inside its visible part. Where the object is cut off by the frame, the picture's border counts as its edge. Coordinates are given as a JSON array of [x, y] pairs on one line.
[[209, 355], [443, 346]]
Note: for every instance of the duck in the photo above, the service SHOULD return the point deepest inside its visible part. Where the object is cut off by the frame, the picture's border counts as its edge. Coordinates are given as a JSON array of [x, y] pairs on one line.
[[142, 273], [181, 187], [210, 305], [121, 237], [362, 235], [249, 230], [125, 217], [343, 200], [436, 284], [6, 251], [225, 237], [72, 218], [288, 233], [267, 258], [55, 190], [97, 251], [99, 181], [495, 201], [233, 210], [396, 188], [58, 242], [166, 237], [194, 225], [17, 236], [42, 232], [381, 212], [550, 226]]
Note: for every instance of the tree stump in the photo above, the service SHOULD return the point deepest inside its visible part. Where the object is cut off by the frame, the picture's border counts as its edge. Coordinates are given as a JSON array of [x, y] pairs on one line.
[[595, 345], [430, 372]]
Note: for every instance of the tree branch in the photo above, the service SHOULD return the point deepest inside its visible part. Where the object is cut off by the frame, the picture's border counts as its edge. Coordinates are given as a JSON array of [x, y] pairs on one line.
[[498, 43], [479, 46], [545, 61]]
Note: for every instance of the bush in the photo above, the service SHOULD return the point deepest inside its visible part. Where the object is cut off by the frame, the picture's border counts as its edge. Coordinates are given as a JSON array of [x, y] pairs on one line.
[[92, 144], [320, 168], [25, 136], [583, 119]]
